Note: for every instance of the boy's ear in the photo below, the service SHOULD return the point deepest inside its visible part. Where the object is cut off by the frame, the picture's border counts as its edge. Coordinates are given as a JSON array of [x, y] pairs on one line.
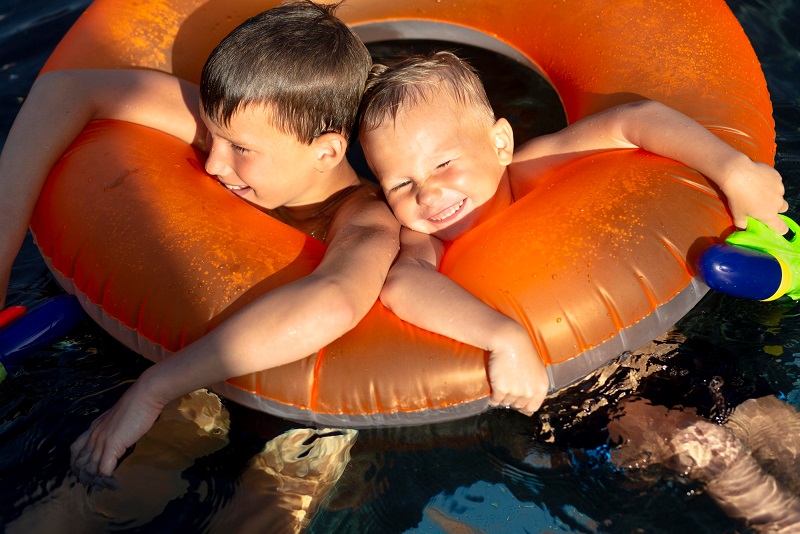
[[503, 138], [328, 149]]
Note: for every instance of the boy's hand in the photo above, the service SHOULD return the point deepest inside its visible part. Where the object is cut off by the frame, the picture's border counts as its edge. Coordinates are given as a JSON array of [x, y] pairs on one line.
[[94, 455], [516, 374], [755, 190]]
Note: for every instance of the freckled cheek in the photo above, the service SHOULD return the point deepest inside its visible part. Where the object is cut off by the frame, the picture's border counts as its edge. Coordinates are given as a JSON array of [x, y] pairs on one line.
[[259, 167]]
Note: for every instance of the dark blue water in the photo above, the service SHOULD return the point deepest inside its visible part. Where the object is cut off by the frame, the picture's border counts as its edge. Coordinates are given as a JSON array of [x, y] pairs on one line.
[[500, 472]]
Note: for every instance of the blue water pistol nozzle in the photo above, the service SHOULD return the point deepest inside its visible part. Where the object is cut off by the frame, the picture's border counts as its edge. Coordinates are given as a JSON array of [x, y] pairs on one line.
[[756, 263]]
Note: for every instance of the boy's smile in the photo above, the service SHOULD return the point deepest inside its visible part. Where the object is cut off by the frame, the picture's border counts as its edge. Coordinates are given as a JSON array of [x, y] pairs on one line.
[[237, 189], [450, 213], [443, 171]]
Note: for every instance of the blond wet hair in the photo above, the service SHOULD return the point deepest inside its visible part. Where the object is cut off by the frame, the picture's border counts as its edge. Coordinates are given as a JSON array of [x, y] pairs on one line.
[[402, 84]]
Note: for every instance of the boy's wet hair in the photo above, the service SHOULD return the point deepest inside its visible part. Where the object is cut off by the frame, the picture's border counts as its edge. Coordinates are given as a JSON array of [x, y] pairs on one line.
[[299, 60], [392, 87]]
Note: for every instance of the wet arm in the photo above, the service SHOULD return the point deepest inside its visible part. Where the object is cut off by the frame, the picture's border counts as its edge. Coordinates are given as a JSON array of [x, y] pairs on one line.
[[57, 108], [417, 293], [287, 324], [296, 320], [752, 189]]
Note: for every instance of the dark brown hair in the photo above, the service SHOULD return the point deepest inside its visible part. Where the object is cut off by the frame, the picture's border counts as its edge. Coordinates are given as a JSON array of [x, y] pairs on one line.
[[299, 60]]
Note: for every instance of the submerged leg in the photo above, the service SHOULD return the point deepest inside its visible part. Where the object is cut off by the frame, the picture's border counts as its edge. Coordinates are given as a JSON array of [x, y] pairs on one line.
[[643, 431], [771, 429], [734, 479], [713, 454], [190, 427]]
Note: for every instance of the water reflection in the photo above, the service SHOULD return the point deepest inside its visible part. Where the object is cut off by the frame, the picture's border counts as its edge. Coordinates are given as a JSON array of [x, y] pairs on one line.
[[278, 491]]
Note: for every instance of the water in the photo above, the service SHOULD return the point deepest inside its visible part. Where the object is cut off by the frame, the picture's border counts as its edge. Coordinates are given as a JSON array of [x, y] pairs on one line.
[[499, 472]]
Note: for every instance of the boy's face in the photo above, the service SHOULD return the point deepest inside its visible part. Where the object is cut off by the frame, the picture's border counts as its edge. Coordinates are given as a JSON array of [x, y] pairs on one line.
[[259, 162], [443, 172]]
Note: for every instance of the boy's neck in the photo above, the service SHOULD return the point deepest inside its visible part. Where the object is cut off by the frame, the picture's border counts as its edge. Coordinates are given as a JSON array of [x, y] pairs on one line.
[[340, 177], [315, 218], [505, 190], [502, 198]]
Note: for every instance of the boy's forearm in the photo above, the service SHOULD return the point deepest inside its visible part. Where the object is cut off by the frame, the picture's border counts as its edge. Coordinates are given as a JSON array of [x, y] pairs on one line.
[[752, 189], [664, 131], [287, 324], [432, 301]]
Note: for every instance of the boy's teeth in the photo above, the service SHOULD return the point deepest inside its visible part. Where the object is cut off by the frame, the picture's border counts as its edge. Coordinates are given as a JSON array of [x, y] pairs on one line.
[[449, 212], [235, 187]]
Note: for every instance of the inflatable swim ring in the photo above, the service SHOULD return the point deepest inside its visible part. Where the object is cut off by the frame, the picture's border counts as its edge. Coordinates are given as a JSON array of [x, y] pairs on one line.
[[596, 261]]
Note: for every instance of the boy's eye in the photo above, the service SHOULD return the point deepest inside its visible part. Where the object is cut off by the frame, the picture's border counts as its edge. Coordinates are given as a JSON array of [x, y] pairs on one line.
[[443, 165], [399, 186], [239, 149]]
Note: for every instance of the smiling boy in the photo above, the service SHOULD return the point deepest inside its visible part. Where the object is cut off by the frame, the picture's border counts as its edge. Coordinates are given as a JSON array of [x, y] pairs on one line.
[[446, 164], [276, 137]]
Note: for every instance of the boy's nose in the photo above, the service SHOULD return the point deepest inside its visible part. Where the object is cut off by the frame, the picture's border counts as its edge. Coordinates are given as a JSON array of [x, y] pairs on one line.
[[215, 164], [429, 193]]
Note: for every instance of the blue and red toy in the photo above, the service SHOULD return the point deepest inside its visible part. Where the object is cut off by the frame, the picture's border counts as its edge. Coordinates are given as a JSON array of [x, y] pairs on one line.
[[22, 334]]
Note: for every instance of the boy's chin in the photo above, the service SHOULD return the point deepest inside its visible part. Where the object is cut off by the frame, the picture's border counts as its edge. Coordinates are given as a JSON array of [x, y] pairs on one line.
[[452, 232], [459, 227]]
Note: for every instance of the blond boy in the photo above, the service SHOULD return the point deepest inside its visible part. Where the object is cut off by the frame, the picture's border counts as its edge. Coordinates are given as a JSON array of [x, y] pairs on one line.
[[446, 164]]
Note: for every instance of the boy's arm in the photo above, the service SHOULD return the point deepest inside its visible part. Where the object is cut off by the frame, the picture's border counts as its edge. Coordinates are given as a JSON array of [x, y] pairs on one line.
[[416, 292], [284, 325], [752, 189], [57, 108]]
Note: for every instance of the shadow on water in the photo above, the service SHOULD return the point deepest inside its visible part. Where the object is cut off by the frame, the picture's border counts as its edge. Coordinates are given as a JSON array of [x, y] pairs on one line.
[[499, 472]]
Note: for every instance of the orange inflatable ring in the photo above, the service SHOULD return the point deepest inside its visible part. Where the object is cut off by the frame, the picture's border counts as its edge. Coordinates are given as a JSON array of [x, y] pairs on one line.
[[596, 261]]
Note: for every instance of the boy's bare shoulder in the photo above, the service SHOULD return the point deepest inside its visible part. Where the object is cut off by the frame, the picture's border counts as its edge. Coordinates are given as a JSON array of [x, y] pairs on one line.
[[366, 196], [369, 190], [535, 159], [365, 208], [364, 236]]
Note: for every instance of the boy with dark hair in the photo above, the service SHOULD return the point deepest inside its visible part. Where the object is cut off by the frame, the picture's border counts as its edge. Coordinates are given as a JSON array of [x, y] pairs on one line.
[[278, 100]]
